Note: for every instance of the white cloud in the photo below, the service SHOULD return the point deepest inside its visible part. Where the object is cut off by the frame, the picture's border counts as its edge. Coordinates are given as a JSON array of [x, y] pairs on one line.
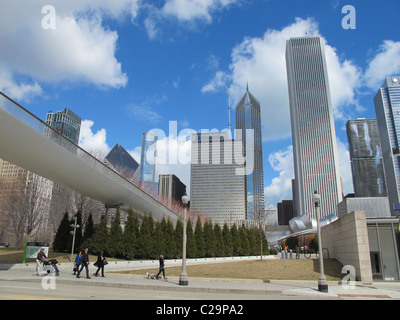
[[344, 80], [261, 63], [385, 63], [186, 10], [18, 90], [280, 187], [188, 13], [144, 111], [94, 143], [220, 80], [79, 49], [151, 27], [135, 153]]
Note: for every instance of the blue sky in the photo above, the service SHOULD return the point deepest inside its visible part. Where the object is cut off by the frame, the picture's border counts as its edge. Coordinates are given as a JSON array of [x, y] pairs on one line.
[[127, 66]]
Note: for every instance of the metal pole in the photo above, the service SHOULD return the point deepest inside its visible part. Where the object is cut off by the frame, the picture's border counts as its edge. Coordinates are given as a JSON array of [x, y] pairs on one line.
[[73, 239], [322, 284], [183, 279]]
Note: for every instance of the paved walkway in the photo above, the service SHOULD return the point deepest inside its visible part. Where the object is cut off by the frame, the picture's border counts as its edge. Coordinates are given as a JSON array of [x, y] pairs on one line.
[[306, 289]]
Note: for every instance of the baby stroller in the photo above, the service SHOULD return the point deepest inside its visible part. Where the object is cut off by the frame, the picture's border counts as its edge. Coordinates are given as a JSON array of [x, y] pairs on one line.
[[50, 267]]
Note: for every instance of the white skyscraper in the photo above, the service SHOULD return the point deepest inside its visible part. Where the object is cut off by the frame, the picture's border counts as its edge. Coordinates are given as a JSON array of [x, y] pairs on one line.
[[316, 163], [387, 108], [217, 182]]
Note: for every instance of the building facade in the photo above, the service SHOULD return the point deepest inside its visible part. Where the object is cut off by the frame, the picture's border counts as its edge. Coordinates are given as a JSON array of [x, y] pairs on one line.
[[66, 123], [316, 165], [170, 188], [148, 159], [217, 184], [387, 108], [285, 212], [248, 120], [366, 158]]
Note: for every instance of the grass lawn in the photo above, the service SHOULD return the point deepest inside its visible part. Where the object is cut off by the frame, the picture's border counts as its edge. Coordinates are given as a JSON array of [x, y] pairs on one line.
[[277, 269]]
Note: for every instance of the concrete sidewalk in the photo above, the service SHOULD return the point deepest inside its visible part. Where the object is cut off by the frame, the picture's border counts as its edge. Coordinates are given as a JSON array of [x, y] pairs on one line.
[[303, 289]]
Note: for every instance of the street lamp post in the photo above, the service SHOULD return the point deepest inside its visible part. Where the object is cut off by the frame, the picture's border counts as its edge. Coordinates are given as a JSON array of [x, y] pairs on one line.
[[183, 279], [322, 284], [73, 233]]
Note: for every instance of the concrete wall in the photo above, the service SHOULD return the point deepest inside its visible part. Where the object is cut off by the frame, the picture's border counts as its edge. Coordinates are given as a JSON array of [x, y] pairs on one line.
[[347, 241]]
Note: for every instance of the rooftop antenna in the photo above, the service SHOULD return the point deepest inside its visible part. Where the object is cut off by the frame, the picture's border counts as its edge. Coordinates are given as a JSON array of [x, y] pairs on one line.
[[229, 111]]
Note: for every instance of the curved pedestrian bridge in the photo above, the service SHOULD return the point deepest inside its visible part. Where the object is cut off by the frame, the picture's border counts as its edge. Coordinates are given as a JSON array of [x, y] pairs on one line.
[[28, 142]]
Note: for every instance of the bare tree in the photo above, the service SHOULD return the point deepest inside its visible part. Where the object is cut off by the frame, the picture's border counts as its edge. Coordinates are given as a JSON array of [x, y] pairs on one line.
[[26, 206]]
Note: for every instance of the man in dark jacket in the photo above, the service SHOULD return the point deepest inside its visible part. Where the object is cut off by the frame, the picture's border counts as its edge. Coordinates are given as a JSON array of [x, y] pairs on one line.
[[85, 263], [161, 268]]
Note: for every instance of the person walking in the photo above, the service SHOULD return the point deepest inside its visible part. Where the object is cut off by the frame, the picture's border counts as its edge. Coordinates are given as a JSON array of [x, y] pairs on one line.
[[85, 263], [101, 261], [78, 262], [297, 252], [162, 267]]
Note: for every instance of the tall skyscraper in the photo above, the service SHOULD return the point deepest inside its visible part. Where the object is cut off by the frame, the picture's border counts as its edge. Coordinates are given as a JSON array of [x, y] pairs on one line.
[[65, 122], [148, 158], [366, 158], [316, 165], [216, 181], [248, 119], [387, 108]]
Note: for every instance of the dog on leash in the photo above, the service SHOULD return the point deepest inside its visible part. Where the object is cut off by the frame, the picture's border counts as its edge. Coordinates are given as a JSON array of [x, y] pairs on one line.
[[151, 276]]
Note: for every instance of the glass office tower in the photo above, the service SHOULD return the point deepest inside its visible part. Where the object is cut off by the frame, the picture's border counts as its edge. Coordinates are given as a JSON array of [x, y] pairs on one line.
[[387, 108], [248, 120], [65, 122], [366, 158], [316, 165], [148, 159]]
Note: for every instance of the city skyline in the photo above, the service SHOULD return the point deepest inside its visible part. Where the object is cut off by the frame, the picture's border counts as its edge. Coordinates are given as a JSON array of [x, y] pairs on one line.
[[175, 64]]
